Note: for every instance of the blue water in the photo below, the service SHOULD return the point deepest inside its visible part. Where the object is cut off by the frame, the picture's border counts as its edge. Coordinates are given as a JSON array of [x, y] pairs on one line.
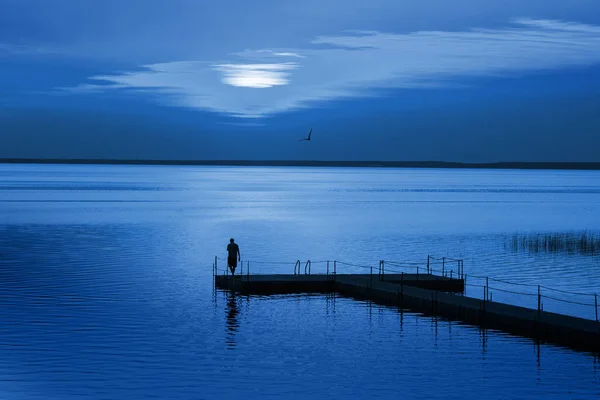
[[106, 282]]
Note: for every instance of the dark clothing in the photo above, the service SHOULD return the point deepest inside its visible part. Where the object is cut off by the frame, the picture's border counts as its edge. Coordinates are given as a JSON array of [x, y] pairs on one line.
[[233, 251], [232, 262]]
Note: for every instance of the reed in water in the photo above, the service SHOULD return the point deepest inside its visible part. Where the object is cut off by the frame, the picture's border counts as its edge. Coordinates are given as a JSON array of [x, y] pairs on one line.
[[584, 243]]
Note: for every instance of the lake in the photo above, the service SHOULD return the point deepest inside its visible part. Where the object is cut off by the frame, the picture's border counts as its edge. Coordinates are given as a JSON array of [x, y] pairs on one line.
[[106, 281]]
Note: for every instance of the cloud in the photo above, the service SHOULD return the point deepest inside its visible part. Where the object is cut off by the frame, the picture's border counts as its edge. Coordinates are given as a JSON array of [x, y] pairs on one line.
[[245, 124], [558, 25], [18, 49], [255, 75], [264, 55], [359, 62], [289, 55], [266, 52], [90, 88]]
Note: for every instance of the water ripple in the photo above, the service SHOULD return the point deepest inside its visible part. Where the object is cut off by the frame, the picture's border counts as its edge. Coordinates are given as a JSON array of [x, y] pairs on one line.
[[118, 301]]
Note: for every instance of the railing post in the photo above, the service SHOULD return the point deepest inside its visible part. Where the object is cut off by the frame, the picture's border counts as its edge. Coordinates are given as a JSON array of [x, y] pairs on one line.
[[487, 288], [443, 263], [247, 271], [596, 305], [371, 277], [334, 268], [402, 284], [539, 301], [327, 267], [241, 267], [428, 264], [451, 274], [216, 258]]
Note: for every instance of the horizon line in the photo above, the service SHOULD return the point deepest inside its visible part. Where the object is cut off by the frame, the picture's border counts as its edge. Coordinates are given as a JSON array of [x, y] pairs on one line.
[[581, 165]]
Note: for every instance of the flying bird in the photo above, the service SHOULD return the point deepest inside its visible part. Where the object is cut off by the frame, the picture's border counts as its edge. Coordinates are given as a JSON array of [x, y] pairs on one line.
[[306, 138]]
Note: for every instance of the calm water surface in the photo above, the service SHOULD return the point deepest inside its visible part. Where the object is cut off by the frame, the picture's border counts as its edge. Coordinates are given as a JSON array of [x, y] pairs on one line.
[[106, 282]]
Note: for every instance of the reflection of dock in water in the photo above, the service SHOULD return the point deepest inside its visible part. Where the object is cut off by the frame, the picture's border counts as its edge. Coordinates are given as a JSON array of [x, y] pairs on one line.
[[232, 322]]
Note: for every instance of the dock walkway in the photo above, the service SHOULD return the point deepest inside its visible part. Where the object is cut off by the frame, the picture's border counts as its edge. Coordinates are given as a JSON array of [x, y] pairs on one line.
[[429, 294]]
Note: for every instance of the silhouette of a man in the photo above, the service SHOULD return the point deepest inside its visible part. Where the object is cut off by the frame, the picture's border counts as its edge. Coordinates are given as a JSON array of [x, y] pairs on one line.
[[233, 255]]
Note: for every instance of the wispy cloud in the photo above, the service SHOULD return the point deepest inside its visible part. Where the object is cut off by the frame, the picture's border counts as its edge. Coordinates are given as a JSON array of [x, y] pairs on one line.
[[267, 52], [351, 65], [285, 54], [18, 49], [90, 88], [245, 124]]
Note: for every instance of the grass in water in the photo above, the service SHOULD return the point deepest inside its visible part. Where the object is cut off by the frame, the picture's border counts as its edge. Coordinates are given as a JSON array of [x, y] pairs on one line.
[[583, 243]]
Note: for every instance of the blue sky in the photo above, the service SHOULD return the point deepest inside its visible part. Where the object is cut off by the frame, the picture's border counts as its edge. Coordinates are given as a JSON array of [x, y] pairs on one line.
[[382, 80]]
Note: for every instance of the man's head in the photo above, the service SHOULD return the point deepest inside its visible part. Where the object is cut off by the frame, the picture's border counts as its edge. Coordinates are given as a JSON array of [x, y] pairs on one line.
[[231, 240]]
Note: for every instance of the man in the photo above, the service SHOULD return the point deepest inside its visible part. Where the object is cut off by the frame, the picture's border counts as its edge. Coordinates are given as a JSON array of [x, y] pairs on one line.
[[233, 255]]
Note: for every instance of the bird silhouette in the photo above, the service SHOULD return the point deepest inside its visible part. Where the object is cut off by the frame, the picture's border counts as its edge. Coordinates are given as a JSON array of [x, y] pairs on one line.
[[306, 138]]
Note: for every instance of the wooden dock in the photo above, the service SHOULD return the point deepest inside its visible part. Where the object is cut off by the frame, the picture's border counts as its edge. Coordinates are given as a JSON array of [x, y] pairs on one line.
[[429, 294]]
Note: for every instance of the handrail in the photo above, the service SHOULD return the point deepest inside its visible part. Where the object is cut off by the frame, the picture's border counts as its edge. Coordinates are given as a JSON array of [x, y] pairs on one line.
[[459, 272], [459, 262]]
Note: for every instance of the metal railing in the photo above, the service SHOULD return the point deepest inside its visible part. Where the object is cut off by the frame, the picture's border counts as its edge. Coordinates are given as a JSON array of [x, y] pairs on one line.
[[329, 267], [447, 261], [447, 267], [537, 294]]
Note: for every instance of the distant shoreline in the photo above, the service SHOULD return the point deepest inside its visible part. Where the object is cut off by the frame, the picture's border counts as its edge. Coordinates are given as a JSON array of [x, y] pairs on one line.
[[300, 163]]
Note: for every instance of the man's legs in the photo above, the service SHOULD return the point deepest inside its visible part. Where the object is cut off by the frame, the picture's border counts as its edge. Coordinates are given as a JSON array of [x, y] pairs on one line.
[[232, 264]]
